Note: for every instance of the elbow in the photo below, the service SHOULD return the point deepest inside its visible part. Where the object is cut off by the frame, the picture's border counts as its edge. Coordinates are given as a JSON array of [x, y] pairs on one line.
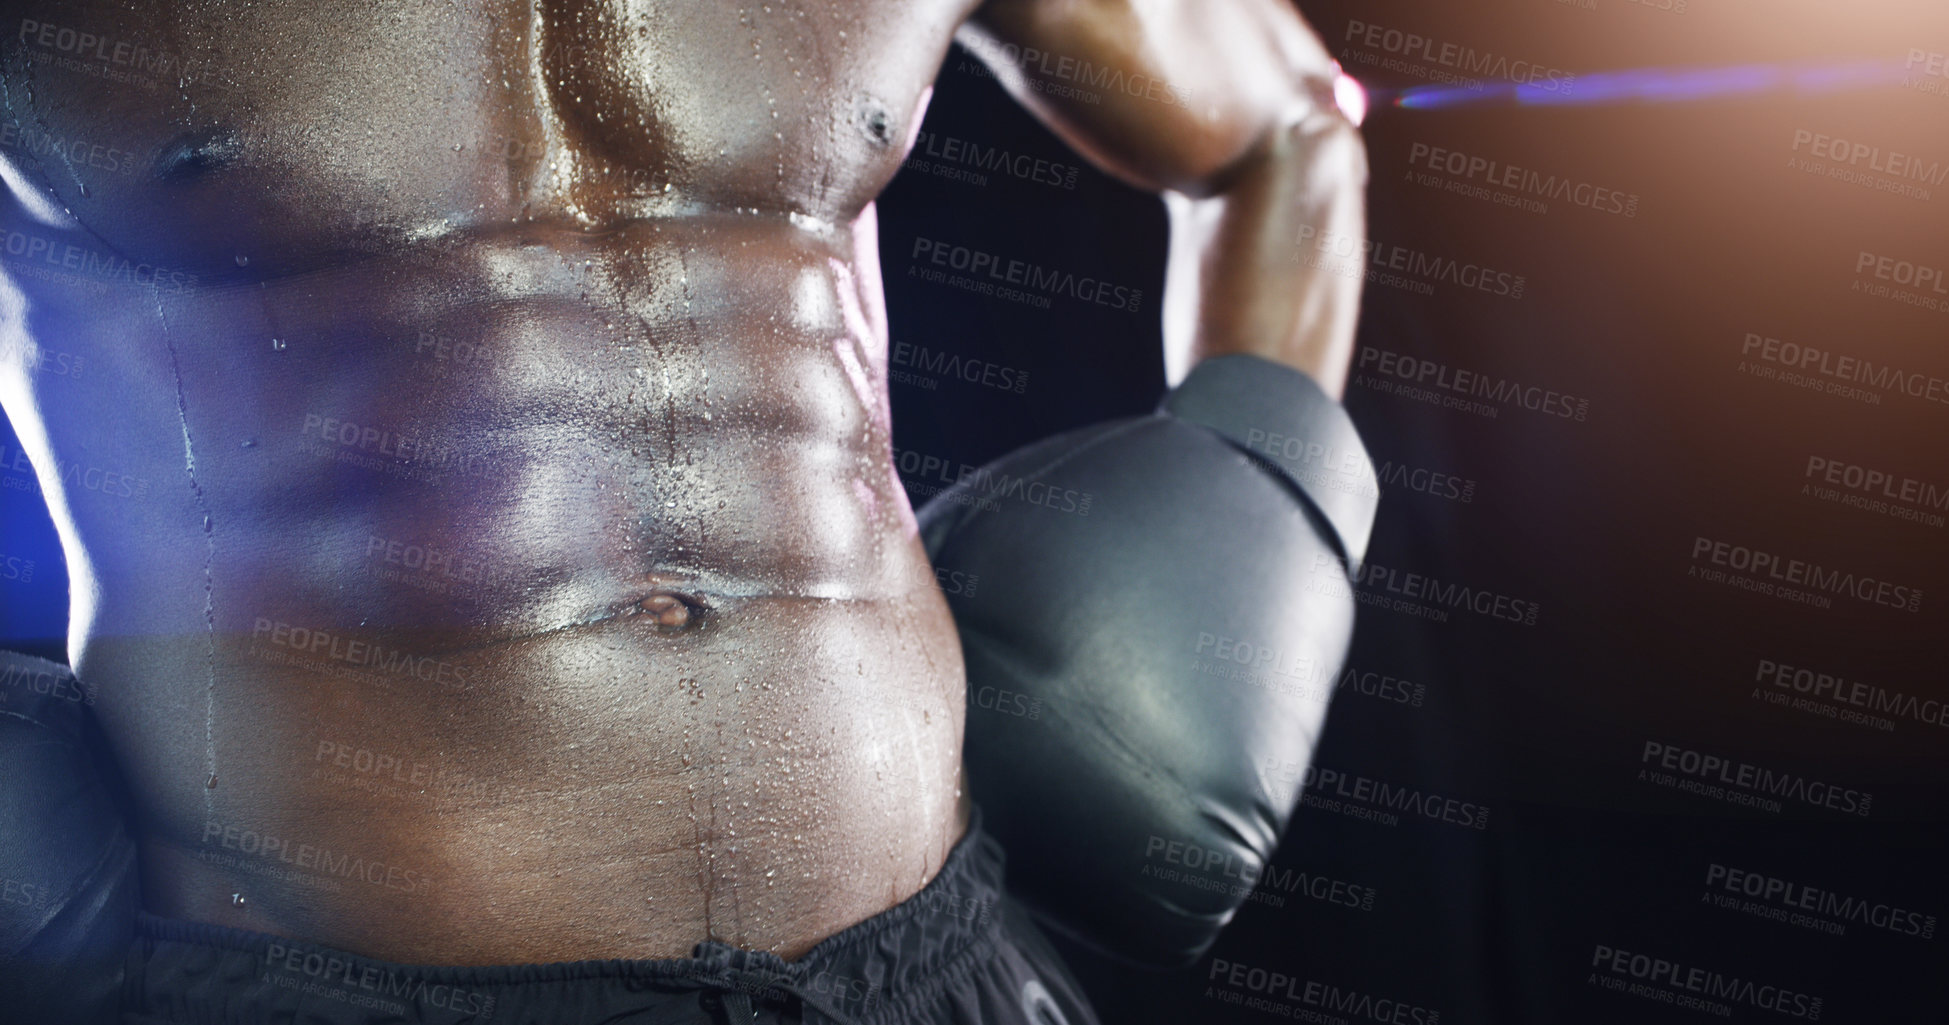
[[1316, 156], [1315, 139]]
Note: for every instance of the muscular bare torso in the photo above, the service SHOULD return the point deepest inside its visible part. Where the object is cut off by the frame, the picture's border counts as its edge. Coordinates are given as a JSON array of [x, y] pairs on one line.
[[468, 426]]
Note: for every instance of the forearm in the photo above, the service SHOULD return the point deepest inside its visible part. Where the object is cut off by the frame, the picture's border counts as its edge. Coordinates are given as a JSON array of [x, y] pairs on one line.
[[1240, 279]]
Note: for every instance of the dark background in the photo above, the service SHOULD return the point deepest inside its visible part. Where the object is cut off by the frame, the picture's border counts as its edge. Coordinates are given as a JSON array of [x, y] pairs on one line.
[[1592, 520]]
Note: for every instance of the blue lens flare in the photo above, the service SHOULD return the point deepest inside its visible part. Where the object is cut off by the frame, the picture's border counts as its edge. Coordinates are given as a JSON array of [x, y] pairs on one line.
[[1659, 85]]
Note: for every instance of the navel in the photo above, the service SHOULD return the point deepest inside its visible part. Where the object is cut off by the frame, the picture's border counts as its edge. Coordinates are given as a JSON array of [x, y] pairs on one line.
[[671, 611]]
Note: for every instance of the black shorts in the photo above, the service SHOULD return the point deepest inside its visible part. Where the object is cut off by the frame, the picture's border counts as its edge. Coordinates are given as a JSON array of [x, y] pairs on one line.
[[958, 951]]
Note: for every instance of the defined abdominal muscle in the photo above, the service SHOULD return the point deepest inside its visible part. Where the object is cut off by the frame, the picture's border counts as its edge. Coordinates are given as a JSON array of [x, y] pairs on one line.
[[612, 637]]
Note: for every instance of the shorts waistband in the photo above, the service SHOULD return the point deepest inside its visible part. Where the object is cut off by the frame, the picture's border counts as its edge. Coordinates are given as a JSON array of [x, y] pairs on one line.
[[194, 972]]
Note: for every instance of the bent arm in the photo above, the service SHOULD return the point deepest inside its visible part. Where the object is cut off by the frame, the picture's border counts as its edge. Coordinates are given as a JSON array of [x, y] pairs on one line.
[[1226, 108]]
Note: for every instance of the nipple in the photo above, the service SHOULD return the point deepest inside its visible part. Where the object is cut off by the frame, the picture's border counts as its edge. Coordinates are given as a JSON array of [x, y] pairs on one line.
[[196, 154], [874, 120]]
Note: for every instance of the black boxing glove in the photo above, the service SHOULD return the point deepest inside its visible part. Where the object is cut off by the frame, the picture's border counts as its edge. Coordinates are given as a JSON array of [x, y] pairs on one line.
[[68, 885], [1160, 608]]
